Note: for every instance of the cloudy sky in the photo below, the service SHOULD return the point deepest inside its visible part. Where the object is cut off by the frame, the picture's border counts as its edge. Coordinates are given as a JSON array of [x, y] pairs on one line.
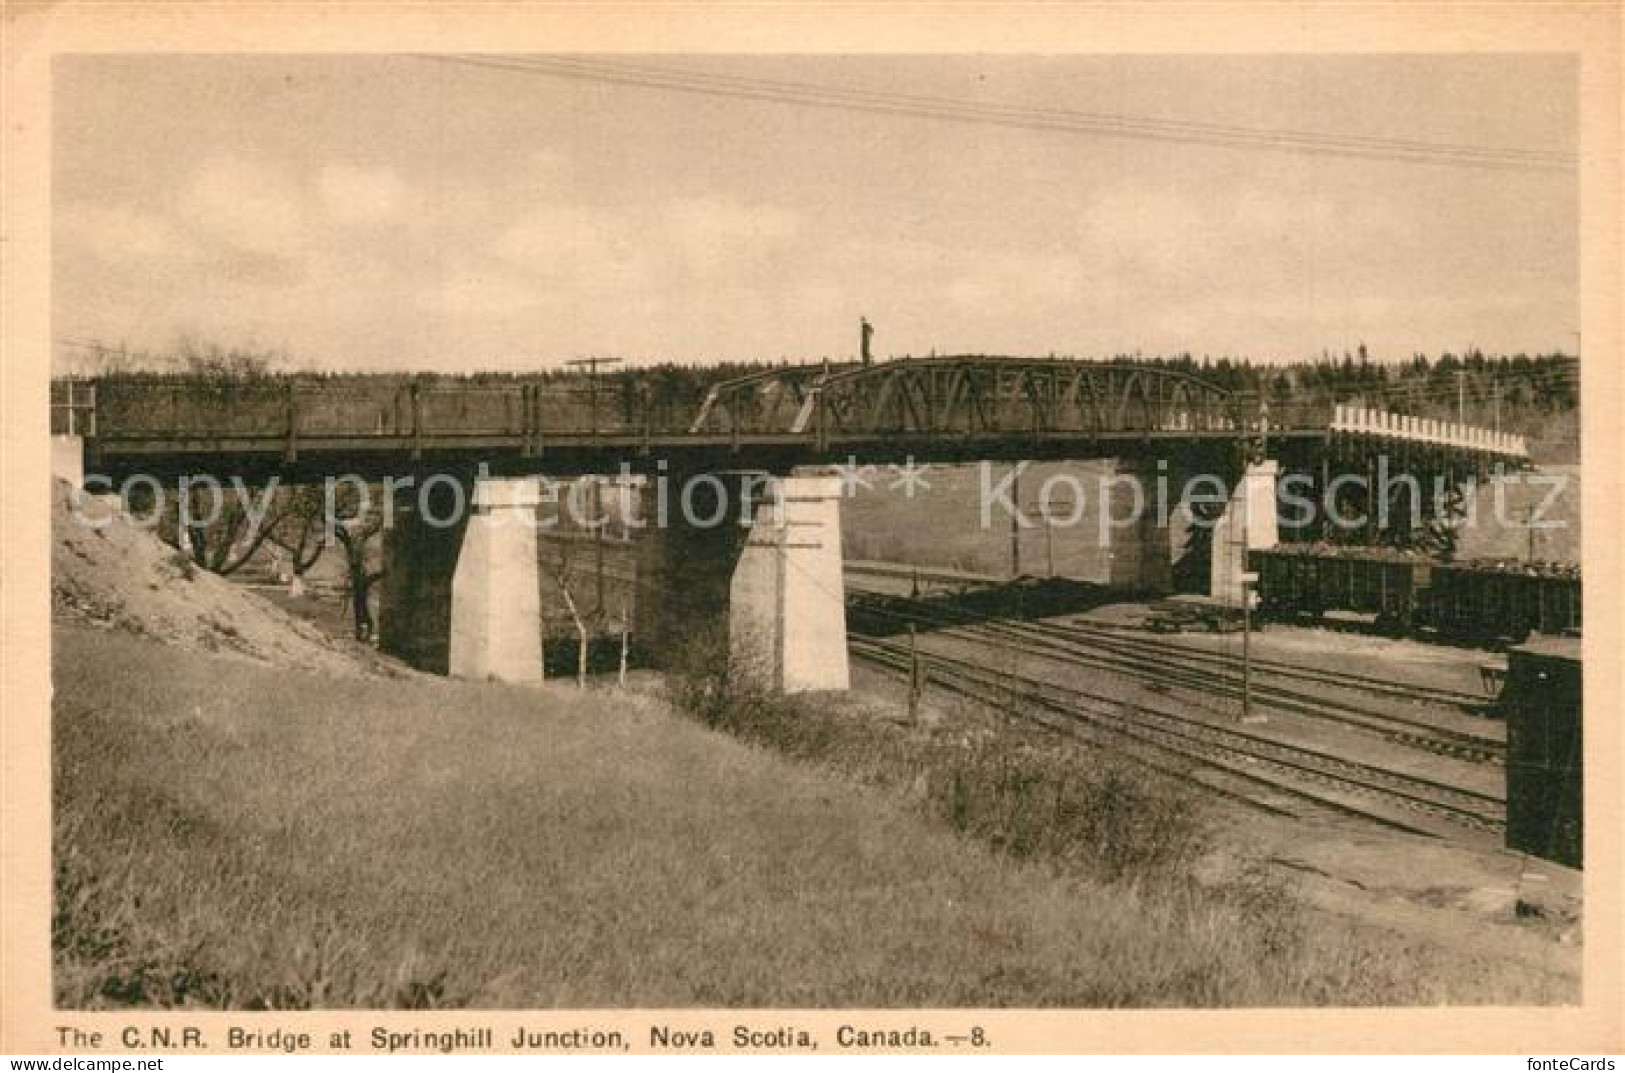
[[401, 212]]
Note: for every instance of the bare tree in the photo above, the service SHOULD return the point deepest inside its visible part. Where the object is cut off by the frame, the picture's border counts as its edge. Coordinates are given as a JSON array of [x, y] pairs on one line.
[[354, 535], [561, 578], [224, 535]]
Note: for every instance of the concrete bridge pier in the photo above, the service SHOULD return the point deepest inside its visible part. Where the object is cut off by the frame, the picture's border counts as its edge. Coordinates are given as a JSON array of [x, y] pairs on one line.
[[1249, 523], [757, 582], [462, 584], [787, 600], [496, 604], [68, 460]]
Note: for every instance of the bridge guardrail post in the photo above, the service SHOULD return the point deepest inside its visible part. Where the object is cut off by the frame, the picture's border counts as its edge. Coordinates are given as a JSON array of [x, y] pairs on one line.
[[647, 394], [290, 453], [417, 421]]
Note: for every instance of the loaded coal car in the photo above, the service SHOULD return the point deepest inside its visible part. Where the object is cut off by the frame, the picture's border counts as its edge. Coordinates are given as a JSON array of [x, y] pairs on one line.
[[1481, 602], [1308, 580], [1499, 602], [1542, 705]]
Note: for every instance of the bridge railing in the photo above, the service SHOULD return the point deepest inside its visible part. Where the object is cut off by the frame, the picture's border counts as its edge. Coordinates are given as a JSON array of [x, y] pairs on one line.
[[949, 397], [778, 402], [1364, 421], [194, 409], [73, 408]]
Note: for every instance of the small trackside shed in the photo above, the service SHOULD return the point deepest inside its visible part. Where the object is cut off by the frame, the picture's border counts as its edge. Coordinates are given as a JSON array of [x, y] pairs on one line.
[[1542, 704]]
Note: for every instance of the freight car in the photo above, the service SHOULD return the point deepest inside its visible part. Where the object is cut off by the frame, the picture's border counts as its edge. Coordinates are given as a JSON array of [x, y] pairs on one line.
[[1482, 602], [1306, 581], [1488, 603]]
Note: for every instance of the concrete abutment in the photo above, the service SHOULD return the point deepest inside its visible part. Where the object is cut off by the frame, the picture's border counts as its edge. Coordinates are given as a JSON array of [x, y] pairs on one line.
[[756, 580]]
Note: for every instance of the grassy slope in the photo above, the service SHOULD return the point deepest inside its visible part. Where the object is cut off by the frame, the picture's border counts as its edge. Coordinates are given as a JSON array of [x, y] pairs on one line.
[[238, 835]]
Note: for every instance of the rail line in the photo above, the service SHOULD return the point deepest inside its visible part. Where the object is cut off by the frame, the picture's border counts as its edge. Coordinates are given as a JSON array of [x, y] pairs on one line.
[[1164, 668], [1280, 770], [1341, 679]]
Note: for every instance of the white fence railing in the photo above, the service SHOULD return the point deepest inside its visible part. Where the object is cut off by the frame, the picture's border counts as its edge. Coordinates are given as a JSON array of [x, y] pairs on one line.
[[1360, 421]]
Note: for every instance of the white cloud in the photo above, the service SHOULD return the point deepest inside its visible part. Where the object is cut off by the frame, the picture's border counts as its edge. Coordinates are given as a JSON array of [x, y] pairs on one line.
[[359, 195]]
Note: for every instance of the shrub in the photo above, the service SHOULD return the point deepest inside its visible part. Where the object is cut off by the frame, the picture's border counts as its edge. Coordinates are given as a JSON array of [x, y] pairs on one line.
[[1056, 804]]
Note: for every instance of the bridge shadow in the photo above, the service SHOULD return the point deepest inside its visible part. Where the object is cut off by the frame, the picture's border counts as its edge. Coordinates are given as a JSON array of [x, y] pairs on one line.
[[871, 614]]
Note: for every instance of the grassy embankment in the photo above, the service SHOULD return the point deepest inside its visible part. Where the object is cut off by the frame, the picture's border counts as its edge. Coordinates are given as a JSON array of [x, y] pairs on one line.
[[232, 834]]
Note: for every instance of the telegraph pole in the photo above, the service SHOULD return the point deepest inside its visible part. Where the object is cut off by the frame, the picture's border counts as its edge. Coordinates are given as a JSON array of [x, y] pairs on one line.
[[592, 365]]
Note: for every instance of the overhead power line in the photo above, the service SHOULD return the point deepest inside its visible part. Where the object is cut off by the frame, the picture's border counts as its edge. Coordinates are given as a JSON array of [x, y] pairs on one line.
[[1041, 119]]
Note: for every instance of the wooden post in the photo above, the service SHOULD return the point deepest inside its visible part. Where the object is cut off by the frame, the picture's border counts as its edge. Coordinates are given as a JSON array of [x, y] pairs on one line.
[[526, 416], [822, 417], [290, 453], [914, 682], [538, 433], [648, 416], [417, 420]]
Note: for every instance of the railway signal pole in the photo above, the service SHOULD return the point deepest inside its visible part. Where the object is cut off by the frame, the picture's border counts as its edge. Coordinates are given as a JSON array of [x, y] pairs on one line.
[[1249, 577], [1247, 580]]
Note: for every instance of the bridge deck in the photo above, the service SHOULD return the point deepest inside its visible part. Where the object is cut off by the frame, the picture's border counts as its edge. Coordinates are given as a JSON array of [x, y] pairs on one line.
[[933, 410]]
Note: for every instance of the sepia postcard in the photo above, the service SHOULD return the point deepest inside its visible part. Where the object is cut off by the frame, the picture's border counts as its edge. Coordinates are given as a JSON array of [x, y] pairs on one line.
[[843, 529]]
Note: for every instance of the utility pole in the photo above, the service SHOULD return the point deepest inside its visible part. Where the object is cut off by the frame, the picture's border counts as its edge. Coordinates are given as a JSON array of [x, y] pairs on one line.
[[592, 365], [1461, 396]]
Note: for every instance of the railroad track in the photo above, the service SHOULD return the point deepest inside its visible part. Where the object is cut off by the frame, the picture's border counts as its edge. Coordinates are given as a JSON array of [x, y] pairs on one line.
[[1248, 767], [1195, 672], [1340, 679]]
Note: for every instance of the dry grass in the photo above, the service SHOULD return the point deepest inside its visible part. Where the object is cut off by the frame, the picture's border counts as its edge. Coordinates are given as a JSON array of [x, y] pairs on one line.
[[229, 834]]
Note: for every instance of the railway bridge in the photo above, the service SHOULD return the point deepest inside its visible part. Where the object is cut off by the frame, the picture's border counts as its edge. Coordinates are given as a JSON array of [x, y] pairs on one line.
[[462, 458]]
